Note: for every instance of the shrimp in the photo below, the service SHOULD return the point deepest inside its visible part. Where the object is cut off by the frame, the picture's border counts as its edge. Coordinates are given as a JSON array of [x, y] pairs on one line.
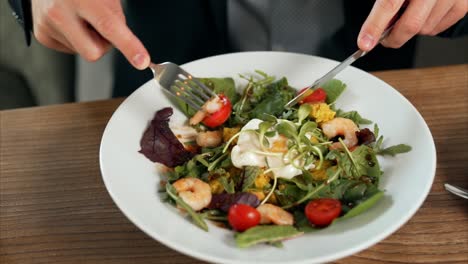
[[273, 214], [197, 117], [209, 138], [340, 126], [195, 192], [211, 106]]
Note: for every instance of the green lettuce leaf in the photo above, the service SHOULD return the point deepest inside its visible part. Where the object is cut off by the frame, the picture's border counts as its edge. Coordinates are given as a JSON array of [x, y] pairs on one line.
[[363, 206], [224, 86], [265, 234], [334, 88], [353, 115]]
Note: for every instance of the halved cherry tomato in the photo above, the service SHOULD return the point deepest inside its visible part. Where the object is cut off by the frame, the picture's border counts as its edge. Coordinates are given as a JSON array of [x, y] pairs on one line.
[[218, 118], [318, 96], [321, 212], [242, 217]]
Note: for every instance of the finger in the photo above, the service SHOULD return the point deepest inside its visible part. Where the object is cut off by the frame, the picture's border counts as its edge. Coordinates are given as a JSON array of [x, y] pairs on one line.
[[410, 23], [103, 44], [112, 26], [439, 11], [457, 12], [55, 34], [77, 33], [381, 14], [49, 42]]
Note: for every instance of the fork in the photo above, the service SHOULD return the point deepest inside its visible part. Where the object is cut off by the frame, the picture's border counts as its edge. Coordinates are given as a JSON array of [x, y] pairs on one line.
[[181, 84], [457, 190]]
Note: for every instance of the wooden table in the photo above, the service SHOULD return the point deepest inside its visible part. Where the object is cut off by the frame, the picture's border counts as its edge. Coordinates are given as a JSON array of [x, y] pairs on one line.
[[54, 207]]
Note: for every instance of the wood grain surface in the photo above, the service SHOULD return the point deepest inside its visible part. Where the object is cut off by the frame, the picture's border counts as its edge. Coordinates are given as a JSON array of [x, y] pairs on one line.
[[54, 207]]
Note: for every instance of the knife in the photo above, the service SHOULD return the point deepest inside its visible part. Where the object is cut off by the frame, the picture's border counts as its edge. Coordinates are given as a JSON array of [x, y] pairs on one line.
[[327, 77]]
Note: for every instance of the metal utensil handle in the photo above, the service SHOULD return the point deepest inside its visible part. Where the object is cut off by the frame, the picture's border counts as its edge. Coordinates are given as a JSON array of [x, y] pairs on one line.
[[456, 190]]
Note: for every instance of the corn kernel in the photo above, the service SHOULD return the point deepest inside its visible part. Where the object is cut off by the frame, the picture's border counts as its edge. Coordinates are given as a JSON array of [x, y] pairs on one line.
[[322, 112], [216, 186], [261, 180], [260, 195], [229, 132]]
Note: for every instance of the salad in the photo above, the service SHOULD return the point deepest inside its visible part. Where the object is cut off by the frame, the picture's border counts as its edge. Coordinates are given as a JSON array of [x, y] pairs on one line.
[[266, 172]]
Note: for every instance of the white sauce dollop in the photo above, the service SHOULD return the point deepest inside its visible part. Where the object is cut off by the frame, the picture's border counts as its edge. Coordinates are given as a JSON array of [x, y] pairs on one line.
[[245, 153]]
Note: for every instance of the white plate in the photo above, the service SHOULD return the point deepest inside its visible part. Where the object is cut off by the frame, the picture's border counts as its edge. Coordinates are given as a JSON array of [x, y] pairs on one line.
[[132, 180]]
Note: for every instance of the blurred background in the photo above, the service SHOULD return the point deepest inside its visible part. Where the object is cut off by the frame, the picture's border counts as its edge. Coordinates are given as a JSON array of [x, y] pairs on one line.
[[35, 75]]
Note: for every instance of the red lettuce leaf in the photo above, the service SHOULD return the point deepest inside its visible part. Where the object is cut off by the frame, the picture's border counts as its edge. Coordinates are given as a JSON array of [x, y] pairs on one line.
[[159, 144], [365, 136], [224, 201]]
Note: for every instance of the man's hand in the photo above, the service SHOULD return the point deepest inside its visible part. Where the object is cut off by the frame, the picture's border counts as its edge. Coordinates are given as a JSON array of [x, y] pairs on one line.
[[425, 17], [87, 27]]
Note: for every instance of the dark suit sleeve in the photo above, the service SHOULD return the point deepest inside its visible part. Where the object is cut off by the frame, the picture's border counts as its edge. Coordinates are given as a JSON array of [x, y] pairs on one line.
[[22, 13]]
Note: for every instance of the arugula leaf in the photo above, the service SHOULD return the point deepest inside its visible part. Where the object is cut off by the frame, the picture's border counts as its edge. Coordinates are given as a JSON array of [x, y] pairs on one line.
[[250, 174], [392, 150], [197, 218], [192, 167], [265, 233], [361, 162], [396, 149], [334, 88], [355, 192], [228, 185], [272, 101], [288, 193], [333, 174], [353, 115]]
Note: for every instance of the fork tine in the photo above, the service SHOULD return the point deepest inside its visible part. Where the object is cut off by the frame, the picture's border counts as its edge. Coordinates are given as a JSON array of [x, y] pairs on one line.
[[177, 92], [181, 84], [193, 87], [207, 90], [185, 88]]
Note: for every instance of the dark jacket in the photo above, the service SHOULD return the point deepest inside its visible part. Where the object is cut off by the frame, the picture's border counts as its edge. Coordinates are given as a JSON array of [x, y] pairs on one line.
[[186, 30]]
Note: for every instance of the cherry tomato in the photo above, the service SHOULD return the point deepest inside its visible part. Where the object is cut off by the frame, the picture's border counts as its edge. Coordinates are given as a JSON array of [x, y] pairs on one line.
[[318, 96], [218, 118], [321, 212], [242, 217]]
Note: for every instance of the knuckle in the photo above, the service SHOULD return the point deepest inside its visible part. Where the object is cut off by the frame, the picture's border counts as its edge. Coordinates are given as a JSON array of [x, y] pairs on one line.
[[460, 9], [392, 42], [55, 14], [92, 56], [427, 30], [373, 28], [389, 5], [462, 6], [413, 26]]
